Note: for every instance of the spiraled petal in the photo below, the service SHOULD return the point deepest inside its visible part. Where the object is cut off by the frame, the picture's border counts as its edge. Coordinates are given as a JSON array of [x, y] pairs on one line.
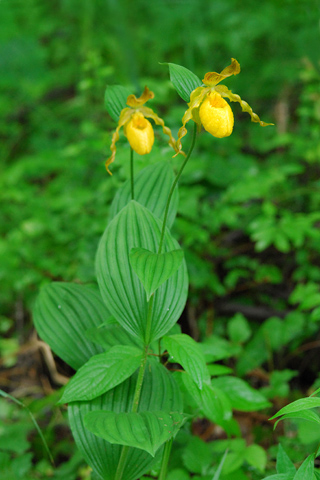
[[135, 102], [192, 113], [149, 113], [212, 78], [125, 116], [233, 97]]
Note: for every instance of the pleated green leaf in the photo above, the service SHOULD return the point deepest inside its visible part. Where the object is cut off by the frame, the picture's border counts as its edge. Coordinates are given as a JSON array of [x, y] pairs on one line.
[[184, 350], [62, 314], [121, 289], [151, 188], [144, 430], [154, 269], [109, 335], [159, 392], [102, 373], [115, 100], [184, 81]]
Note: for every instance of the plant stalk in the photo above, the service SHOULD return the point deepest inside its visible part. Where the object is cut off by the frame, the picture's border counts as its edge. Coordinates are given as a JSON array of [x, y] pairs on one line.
[[131, 174], [174, 186], [137, 393], [165, 459]]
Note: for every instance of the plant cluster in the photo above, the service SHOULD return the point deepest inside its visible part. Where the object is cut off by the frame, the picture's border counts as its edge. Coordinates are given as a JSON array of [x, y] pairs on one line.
[[247, 215], [125, 406]]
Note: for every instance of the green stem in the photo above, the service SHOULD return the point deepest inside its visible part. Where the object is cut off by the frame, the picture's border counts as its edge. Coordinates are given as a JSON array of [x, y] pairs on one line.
[[122, 462], [131, 174], [34, 421], [149, 320], [174, 186], [139, 383], [165, 459], [137, 392]]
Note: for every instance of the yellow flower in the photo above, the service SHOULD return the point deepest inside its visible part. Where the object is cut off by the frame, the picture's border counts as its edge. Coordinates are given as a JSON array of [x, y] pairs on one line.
[[207, 106], [137, 128], [139, 133]]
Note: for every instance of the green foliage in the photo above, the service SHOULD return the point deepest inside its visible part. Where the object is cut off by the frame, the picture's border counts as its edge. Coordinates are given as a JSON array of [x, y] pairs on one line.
[[61, 306], [154, 269], [159, 393], [184, 350], [152, 183], [23, 453], [115, 100], [121, 288], [183, 80], [145, 430], [102, 373], [247, 219]]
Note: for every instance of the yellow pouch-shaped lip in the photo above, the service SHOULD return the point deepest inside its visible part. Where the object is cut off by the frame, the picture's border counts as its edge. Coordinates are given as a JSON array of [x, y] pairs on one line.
[[139, 133], [216, 115]]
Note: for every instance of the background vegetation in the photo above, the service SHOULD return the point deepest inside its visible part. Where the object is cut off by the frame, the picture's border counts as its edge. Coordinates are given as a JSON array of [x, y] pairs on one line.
[[249, 211]]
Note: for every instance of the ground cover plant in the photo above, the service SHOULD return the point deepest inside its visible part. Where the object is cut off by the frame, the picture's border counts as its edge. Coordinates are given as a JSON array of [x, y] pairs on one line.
[[247, 217]]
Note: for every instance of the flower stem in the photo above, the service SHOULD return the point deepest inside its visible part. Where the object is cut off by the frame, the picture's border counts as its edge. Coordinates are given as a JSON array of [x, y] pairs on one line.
[[174, 186], [137, 393], [165, 459], [131, 174], [122, 462]]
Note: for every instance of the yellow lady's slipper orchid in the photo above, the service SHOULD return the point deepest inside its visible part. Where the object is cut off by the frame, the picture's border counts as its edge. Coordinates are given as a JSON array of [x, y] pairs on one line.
[[137, 128], [139, 133], [207, 106]]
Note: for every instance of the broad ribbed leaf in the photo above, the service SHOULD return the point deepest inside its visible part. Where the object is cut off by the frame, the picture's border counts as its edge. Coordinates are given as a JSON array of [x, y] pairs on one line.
[[151, 188], [108, 336], [242, 396], [159, 392], [154, 269], [115, 100], [62, 314], [184, 81], [121, 289], [184, 350], [144, 430], [102, 373]]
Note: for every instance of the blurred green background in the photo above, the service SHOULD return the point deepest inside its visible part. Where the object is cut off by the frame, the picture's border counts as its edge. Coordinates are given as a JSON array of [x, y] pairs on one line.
[[249, 204], [249, 211]]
